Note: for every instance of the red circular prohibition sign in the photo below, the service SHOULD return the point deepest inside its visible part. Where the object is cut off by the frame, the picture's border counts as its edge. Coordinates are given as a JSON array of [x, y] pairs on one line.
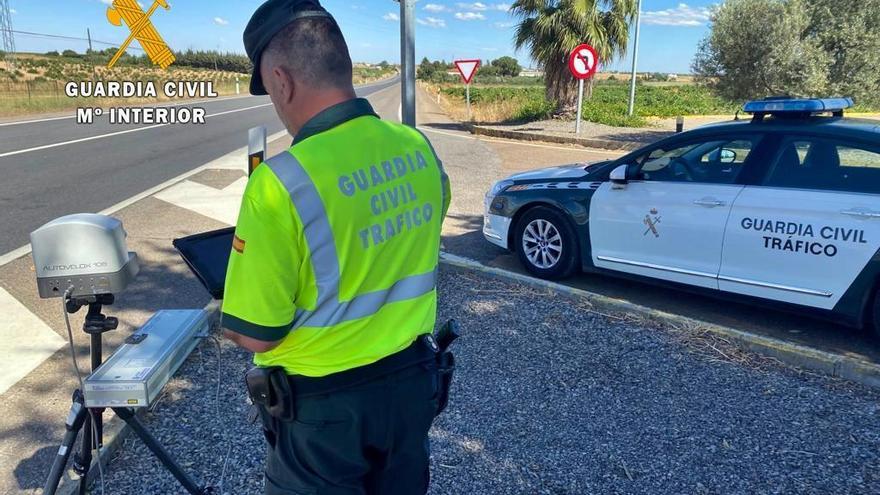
[[583, 62]]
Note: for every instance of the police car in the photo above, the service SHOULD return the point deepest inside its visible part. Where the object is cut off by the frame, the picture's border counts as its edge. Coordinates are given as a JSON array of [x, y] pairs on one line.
[[784, 207]]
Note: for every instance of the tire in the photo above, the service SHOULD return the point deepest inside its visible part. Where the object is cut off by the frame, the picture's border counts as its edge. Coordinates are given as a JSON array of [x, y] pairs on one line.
[[546, 243]]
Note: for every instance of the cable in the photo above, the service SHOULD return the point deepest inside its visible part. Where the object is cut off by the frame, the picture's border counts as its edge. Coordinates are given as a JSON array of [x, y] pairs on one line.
[[72, 38], [95, 439], [227, 438]]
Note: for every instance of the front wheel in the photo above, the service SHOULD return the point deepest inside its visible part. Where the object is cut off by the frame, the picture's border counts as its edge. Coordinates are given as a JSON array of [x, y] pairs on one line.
[[546, 243]]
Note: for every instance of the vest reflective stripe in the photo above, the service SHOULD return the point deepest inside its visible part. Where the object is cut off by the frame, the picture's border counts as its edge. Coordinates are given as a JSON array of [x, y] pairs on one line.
[[368, 304], [329, 309], [316, 225]]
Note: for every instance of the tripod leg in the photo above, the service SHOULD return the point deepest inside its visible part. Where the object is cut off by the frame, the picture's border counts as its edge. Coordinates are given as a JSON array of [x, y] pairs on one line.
[[72, 425], [159, 451]]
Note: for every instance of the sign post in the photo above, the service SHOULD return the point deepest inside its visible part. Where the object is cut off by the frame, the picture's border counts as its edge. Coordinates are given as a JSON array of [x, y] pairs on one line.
[[467, 69], [407, 62], [256, 148], [582, 63]]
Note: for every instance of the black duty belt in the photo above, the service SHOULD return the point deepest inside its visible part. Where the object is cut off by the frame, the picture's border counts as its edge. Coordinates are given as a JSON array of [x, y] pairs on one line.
[[423, 350]]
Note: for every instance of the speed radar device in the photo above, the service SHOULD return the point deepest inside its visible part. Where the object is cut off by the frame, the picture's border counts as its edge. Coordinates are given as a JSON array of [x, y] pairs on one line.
[[84, 254], [84, 259]]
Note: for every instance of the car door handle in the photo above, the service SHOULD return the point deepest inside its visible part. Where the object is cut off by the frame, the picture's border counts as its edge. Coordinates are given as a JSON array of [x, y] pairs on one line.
[[711, 203], [862, 213]]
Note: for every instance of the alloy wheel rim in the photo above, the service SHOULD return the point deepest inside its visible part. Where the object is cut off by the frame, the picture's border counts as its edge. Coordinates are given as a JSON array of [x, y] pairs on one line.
[[542, 243]]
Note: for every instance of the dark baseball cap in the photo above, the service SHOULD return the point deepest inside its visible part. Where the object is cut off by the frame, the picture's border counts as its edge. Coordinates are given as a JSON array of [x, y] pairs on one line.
[[267, 21]]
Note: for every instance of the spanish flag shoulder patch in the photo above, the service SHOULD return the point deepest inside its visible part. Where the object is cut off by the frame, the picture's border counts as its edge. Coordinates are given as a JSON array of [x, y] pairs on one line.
[[238, 244]]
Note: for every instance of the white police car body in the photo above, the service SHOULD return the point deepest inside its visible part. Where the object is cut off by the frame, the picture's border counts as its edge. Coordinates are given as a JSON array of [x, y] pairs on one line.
[[784, 207]]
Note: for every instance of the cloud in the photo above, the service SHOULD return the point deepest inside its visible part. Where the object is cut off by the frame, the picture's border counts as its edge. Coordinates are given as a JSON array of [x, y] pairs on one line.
[[433, 7], [431, 22], [13, 11], [220, 21], [391, 16], [475, 7], [482, 7], [505, 25], [470, 16], [682, 15]]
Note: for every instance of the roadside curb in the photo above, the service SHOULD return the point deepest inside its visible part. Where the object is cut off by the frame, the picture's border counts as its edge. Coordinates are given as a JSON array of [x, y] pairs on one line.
[[834, 365], [116, 431], [605, 144]]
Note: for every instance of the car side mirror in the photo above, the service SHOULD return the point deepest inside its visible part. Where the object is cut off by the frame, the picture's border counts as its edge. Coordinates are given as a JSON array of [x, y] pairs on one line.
[[618, 177], [727, 155]]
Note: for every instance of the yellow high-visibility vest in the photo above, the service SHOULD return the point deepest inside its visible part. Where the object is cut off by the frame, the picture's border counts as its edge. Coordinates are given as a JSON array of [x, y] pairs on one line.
[[337, 243]]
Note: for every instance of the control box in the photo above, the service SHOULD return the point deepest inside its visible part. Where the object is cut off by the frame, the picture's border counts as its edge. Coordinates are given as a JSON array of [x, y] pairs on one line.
[[137, 372]]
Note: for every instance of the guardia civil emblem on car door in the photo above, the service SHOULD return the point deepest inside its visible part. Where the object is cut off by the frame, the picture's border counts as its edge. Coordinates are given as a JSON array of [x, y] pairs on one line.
[[652, 219]]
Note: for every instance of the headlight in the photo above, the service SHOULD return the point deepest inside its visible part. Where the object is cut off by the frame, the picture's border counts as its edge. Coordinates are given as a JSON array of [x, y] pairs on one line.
[[498, 187]]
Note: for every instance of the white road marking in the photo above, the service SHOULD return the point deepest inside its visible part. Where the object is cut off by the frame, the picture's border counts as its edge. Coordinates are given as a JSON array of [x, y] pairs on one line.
[[196, 102], [219, 204], [231, 161], [25, 341], [102, 136], [504, 141]]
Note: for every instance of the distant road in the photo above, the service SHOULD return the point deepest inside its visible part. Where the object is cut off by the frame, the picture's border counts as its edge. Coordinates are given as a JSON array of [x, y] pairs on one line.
[[53, 167]]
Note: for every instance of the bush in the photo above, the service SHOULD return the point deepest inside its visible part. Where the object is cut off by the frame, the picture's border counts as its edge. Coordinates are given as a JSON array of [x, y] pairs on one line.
[[53, 53], [70, 54]]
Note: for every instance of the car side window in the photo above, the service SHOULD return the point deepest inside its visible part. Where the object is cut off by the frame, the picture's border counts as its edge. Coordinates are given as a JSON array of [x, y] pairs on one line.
[[816, 163], [714, 161]]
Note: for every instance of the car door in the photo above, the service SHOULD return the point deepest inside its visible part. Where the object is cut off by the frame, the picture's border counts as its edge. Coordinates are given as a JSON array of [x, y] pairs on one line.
[[668, 220], [811, 226]]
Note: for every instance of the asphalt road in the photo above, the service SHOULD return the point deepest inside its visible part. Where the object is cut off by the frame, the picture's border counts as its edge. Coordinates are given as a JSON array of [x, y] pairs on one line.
[[55, 167]]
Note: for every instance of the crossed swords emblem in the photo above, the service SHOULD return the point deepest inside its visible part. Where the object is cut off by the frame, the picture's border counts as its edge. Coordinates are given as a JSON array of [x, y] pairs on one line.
[[651, 223], [141, 29]]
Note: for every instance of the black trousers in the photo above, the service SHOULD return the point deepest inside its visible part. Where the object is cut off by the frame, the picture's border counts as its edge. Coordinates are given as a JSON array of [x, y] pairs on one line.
[[371, 438]]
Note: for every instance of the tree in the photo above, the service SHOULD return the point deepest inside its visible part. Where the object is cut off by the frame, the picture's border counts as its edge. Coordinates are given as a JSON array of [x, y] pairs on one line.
[[489, 70], [741, 61], [426, 69], [550, 29], [803, 48], [847, 30], [70, 53], [507, 66]]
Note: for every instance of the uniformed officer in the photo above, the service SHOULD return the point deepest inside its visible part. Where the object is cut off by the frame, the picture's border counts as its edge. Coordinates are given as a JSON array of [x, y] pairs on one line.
[[332, 275]]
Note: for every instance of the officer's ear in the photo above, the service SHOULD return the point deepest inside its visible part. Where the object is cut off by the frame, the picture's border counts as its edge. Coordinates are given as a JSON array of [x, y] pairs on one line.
[[285, 86]]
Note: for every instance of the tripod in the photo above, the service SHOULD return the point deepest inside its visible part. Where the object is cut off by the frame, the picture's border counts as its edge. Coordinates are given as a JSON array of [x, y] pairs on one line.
[[81, 418]]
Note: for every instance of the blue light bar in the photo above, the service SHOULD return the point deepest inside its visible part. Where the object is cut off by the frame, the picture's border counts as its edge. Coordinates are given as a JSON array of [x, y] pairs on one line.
[[797, 105]]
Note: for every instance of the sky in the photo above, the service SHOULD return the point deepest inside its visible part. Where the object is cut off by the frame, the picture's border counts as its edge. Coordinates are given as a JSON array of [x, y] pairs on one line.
[[670, 32]]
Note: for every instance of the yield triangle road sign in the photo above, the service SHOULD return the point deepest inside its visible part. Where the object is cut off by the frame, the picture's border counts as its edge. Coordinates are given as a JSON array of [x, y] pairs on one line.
[[467, 69]]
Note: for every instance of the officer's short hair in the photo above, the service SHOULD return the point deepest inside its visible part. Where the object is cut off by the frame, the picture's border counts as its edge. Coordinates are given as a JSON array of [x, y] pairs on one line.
[[314, 51]]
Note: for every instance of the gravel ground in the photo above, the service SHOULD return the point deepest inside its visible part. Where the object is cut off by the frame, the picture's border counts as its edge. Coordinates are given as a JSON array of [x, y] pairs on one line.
[[551, 398]]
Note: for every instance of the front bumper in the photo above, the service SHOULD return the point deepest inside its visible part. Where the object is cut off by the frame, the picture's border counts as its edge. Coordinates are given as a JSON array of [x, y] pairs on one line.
[[495, 227]]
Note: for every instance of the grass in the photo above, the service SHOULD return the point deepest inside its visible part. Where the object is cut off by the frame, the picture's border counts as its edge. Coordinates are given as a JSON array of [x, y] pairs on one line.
[[492, 103], [608, 104]]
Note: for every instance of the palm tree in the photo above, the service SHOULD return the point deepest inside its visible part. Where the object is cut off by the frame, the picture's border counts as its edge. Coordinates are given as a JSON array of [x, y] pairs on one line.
[[550, 29]]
